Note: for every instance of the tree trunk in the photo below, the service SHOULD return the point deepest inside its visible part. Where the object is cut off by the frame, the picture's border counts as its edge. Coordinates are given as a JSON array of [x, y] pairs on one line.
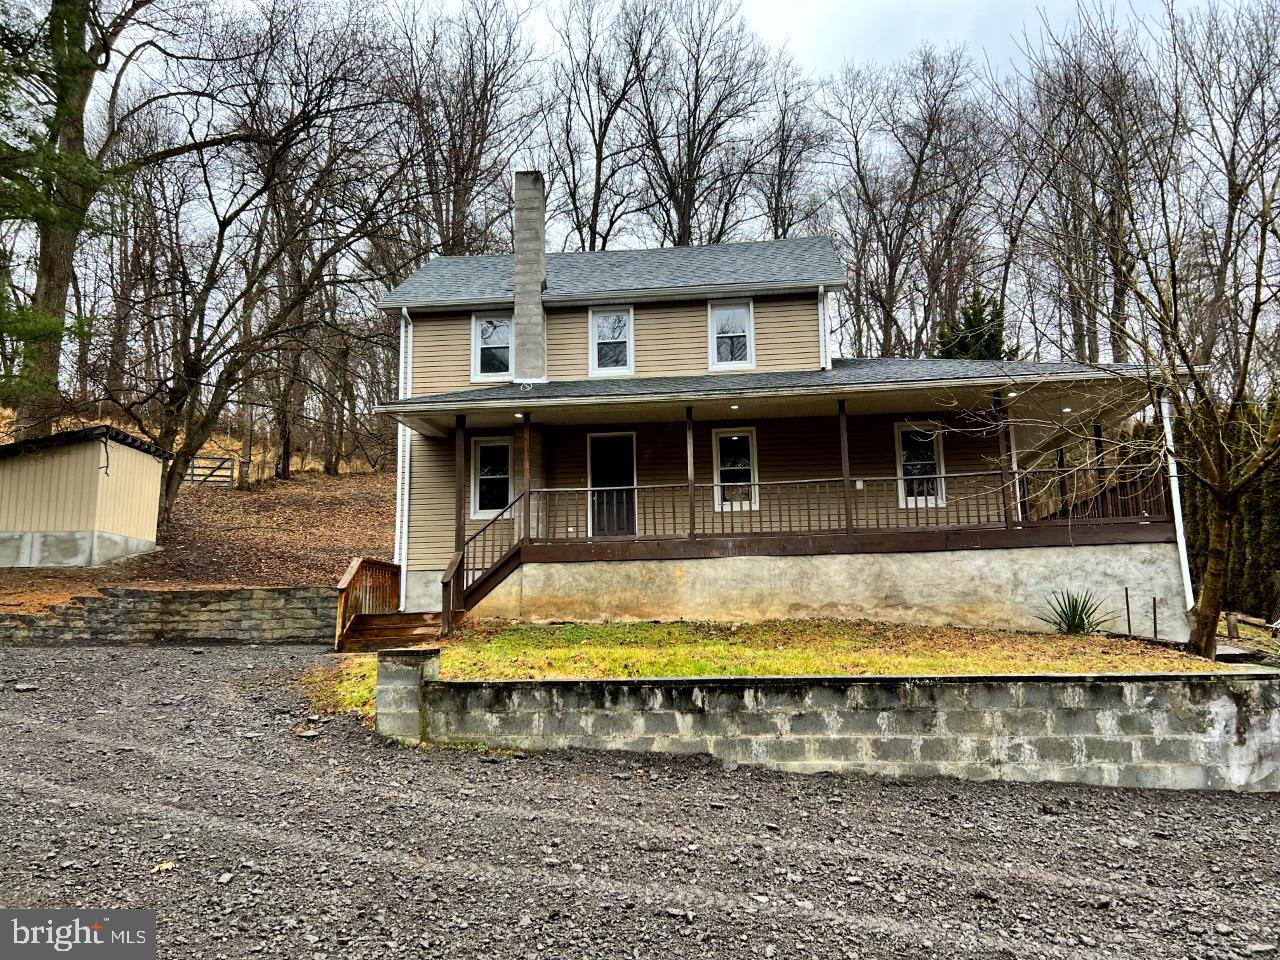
[[42, 357], [1208, 608]]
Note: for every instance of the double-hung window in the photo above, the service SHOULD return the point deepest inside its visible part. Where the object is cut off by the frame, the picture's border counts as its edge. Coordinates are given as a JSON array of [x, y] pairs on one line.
[[490, 477], [491, 346], [612, 341], [730, 335], [735, 462], [920, 482]]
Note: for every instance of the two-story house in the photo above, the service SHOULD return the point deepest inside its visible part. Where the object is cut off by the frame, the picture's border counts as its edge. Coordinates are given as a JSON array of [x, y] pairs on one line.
[[664, 434]]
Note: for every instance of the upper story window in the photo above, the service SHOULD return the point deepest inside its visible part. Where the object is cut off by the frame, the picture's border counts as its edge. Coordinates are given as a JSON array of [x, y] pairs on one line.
[[491, 346], [613, 349], [490, 477], [731, 335], [920, 469]]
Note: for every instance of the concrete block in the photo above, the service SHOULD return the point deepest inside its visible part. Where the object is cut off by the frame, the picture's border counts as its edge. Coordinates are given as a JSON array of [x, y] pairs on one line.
[[894, 749], [1107, 750], [1073, 722], [1023, 723], [1165, 750]]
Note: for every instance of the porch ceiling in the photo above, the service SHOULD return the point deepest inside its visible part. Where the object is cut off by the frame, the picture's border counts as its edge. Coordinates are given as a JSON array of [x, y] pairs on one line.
[[1045, 411]]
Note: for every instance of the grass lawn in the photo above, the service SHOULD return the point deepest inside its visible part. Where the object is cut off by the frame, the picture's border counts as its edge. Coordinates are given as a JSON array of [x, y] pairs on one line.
[[778, 648]]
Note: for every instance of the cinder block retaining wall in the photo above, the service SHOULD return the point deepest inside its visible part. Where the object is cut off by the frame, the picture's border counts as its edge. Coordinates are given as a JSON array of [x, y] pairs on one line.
[[1006, 589], [1169, 731], [121, 615]]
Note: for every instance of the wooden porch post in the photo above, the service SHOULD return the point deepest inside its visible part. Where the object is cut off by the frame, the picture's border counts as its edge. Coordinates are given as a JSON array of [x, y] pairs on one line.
[[1062, 485], [1006, 474], [844, 468], [1103, 507], [688, 456], [528, 473], [460, 478]]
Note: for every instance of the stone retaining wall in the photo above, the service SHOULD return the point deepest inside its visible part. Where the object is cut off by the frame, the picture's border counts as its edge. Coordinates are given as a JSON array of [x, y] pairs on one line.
[[1202, 731], [125, 615]]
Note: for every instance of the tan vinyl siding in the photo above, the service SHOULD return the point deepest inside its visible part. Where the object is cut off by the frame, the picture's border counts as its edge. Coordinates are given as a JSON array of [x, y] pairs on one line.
[[128, 492], [50, 490], [786, 450], [441, 354], [431, 497], [88, 486], [567, 343], [670, 340]]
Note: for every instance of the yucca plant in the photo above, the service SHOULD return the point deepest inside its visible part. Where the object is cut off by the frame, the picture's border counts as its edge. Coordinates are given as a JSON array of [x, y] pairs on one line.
[[1075, 612]]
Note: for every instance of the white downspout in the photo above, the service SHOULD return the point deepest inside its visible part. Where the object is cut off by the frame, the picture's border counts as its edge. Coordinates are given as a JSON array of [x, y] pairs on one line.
[[1175, 494], [824, 347], [403, 450]]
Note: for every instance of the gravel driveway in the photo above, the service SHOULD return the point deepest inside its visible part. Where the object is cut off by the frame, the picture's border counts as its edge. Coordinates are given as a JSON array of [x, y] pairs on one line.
[[338, 845]]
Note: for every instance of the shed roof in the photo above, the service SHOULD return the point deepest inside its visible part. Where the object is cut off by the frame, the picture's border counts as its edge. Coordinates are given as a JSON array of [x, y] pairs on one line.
[[798, 263], [83, 435]]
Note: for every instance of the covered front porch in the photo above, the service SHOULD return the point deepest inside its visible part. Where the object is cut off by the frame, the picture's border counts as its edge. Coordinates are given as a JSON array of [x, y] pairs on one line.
[[903, 471]]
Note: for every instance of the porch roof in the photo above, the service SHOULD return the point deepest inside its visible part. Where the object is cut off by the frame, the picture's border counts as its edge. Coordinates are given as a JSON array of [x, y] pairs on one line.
[[844, 376], [1048, 395]]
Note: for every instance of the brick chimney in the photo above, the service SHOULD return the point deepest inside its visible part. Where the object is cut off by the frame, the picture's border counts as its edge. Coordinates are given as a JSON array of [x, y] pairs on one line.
[[529, 324]]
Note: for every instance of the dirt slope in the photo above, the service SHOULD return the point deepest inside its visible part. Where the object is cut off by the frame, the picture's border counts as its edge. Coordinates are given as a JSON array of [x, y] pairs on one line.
[[302, 532]]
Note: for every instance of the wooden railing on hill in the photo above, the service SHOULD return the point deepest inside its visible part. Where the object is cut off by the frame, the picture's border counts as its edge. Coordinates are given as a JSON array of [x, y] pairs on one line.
[[368, 586]]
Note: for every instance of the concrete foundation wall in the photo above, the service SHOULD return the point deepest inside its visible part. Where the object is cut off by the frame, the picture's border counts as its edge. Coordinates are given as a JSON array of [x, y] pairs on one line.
[[1217, 732], [67, 548], [422, 591], [121, 615], [1006, 589]]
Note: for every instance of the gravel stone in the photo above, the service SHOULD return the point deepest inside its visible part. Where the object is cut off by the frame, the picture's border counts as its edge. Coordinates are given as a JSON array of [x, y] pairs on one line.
[[129, 782]]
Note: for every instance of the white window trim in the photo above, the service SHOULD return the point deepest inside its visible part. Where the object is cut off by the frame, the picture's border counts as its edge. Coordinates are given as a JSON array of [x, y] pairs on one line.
[[476, 443], [754, 502], [592, 361], [750, 362], [476, 375], [905, 502], [635, 472]]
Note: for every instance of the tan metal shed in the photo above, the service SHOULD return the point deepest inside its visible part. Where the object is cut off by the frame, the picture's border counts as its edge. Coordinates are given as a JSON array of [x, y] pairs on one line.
[[78, 498]]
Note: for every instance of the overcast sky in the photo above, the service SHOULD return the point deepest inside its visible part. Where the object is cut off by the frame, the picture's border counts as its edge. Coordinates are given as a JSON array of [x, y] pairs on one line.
[[822, 34]]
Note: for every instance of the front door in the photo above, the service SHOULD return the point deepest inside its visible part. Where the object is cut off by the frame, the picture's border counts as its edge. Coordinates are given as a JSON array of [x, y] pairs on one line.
[[611, 474]]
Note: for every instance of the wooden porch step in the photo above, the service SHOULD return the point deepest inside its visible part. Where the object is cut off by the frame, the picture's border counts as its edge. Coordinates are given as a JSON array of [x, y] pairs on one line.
[[378, 631]]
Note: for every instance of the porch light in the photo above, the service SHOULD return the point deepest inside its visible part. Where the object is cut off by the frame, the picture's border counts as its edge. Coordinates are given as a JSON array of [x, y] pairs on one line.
[[733, 406], [1011, 394], [1066, 409], [519, 416]]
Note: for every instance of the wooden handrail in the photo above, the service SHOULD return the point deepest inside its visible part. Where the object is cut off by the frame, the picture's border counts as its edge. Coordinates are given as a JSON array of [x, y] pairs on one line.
[[369, 585]]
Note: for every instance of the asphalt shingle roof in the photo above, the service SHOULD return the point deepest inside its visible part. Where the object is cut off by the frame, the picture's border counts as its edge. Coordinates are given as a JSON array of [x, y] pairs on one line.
[[803, 261], [843, 374]]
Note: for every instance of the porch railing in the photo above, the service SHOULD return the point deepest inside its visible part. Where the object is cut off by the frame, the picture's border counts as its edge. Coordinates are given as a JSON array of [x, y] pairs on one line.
[[368, 586], [867, 504]]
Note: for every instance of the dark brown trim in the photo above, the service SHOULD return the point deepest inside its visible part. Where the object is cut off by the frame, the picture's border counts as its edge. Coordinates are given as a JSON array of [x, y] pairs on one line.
[[907, 541], [1100, 453], [460, 481], [68, 437], [844, 467], [1006, 459], [528, 499], [502, 568], [688, 456]]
